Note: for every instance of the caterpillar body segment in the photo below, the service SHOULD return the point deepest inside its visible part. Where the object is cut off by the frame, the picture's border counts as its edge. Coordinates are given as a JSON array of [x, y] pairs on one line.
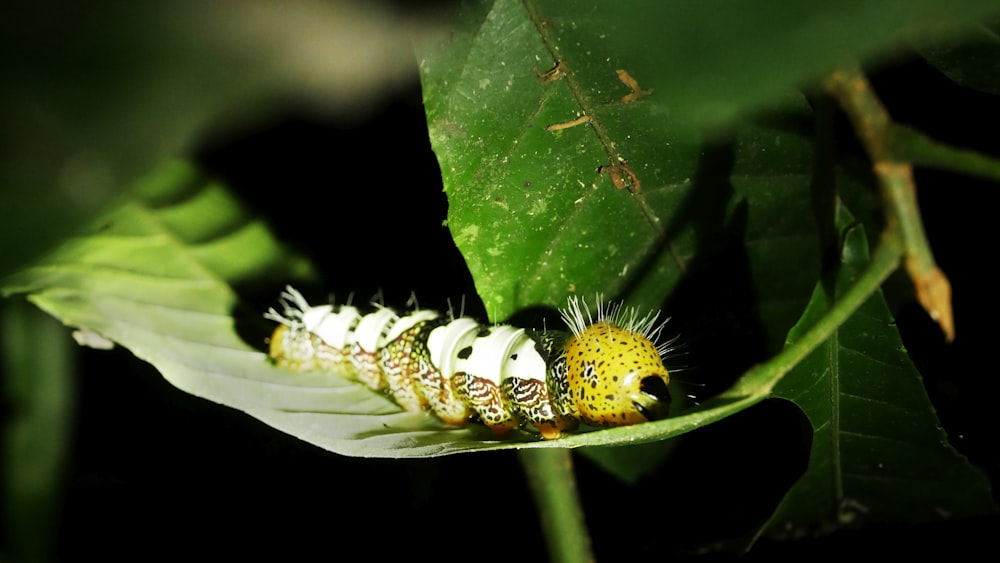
[[607, 371]]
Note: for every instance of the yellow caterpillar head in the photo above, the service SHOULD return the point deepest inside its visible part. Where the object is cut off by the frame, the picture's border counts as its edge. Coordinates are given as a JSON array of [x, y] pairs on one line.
[[614, 372], [293, 347], [279, 339], [292, 344]]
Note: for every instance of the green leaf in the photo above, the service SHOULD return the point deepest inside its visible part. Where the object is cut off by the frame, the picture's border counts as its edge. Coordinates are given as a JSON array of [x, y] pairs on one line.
[[529, 208], [878, 452], [127, 86], [970, 56]]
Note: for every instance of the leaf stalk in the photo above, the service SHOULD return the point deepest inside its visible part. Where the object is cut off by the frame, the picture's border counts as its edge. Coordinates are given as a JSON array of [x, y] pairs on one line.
[[550, 475]]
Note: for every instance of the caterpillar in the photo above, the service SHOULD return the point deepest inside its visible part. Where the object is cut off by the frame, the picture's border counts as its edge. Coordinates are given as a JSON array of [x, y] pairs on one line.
[[605, 371]]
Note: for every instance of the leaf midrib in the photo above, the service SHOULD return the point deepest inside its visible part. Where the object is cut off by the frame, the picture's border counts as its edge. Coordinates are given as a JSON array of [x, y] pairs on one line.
[[835, 453], [576, 90]]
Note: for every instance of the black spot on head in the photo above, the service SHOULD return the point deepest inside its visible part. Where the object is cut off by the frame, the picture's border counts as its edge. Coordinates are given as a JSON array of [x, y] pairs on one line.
[[655, 387], [464, 353], [513, 356], [483, 332]]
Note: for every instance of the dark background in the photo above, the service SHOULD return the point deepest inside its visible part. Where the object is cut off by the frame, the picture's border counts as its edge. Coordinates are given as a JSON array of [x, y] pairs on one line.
[[158, 473]]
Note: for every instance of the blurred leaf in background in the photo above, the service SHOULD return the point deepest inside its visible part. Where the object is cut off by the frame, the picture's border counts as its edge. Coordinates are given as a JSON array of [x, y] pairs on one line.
[[97, 94]]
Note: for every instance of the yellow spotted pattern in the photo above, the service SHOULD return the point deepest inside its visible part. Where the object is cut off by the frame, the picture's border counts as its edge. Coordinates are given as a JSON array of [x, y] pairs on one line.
[[605, 366]]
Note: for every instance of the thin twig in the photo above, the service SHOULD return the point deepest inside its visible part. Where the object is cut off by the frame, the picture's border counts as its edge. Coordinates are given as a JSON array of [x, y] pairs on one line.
[[874, 128], [912, 145], [762, 378]]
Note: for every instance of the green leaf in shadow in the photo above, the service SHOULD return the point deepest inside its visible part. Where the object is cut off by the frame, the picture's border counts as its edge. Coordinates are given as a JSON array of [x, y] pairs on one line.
[[126, 86], [969, 57], [878, 452]]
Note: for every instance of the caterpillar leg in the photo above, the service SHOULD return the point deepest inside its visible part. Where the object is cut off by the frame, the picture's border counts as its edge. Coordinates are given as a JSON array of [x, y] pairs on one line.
[[529, 398], [485, 398], [503, 377], [437, 384]]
